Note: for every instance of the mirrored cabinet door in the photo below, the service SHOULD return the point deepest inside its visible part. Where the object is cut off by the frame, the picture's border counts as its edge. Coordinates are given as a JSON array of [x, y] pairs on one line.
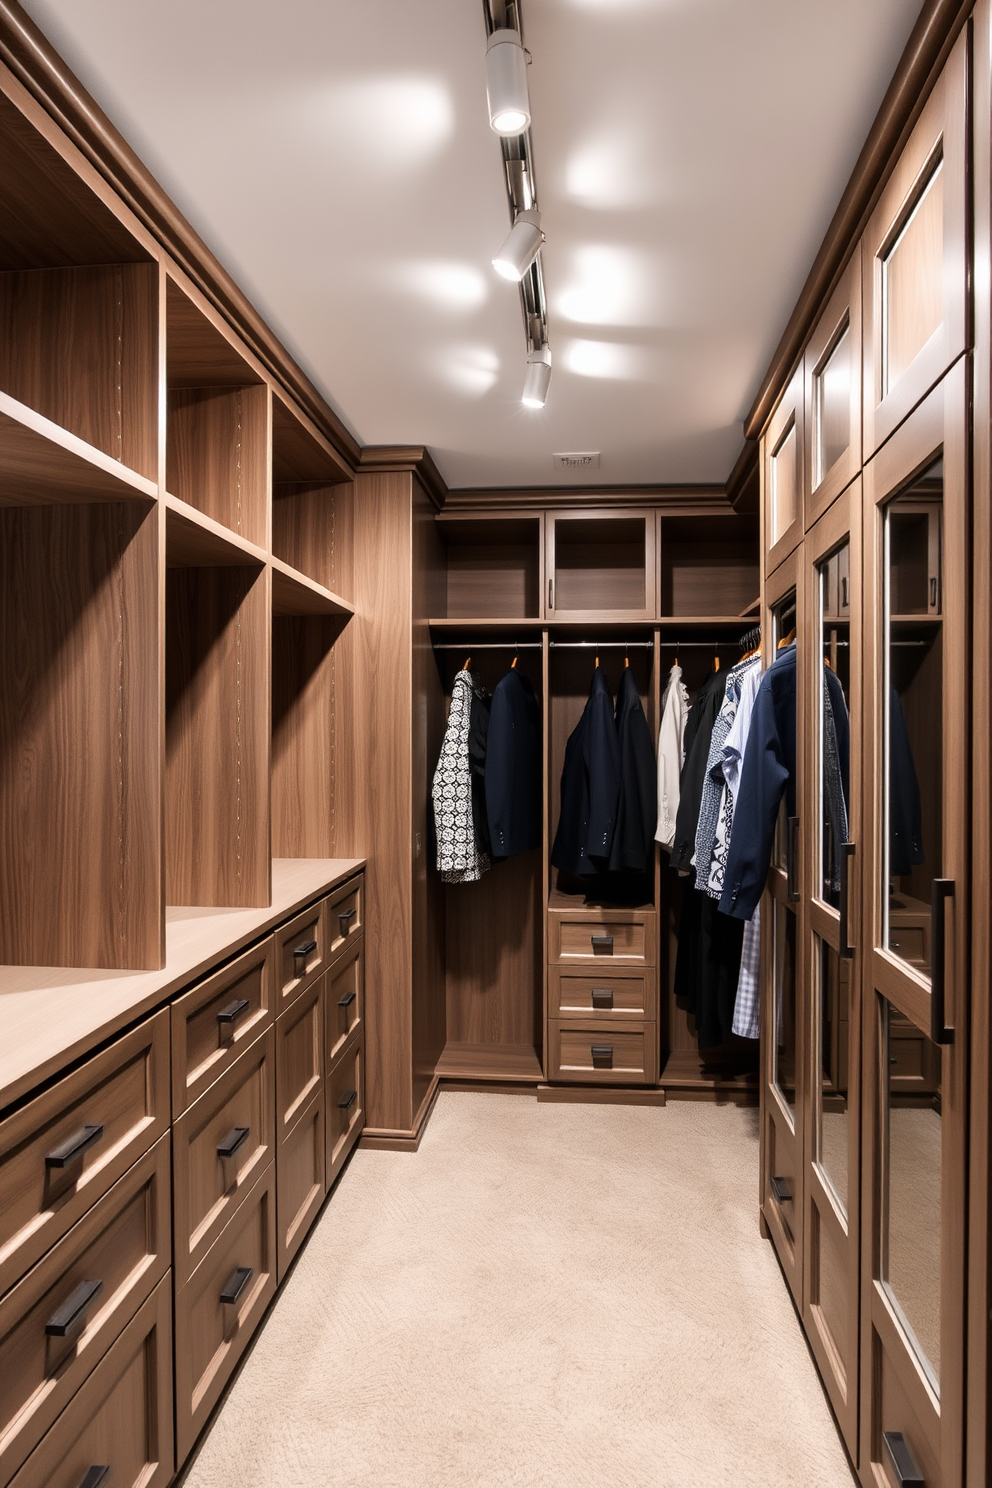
[[831, 795], [783, 459], [915, 916], [832, 390]]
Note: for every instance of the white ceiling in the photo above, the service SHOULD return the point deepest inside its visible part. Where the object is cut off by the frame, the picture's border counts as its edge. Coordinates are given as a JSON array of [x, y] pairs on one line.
[[337, 158]]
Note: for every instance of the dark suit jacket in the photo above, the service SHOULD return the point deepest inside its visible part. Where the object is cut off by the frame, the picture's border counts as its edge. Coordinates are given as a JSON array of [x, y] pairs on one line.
[[637, 807], [513, 768], [696, 743], [590, 786]]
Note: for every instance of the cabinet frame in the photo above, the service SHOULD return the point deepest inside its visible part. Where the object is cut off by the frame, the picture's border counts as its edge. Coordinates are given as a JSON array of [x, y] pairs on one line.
[[555, 613], [790, 413], [843, 307]]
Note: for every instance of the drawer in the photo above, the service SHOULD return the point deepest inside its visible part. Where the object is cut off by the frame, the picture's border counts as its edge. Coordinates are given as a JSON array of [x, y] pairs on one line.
[[344, 999], [215, 1164], [582, 994], [121, 1417], [301, 953], [64, 1150], [345, 1107], [299, 1056], [220, 1306], [300, 1185], [624, 936], [84, 1290], [591, 1053], [217, 1020], [345, 914]]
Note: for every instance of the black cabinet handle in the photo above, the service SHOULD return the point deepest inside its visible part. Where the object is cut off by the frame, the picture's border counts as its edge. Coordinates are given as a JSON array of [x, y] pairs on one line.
[[551, 594], [846, 859], [941, 890], [933, 591], [602, 1056], [95, 1476], [306, 949], [348, 1100], [843, 592], [73, 1147], [781, 1190], [233, 1011], [235, 1284], [602, 997], [606, 941], [907, 1472], [791, 854], [345, 918], [346, 1000], [72, 1314], [235, 1138]]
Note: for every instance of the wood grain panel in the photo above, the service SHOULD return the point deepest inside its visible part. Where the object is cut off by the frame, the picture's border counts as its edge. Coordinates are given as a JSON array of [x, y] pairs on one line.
[[217, 736], [198, 353], [299, 1057], [303, 527], [573, 1046], [344, 914], [204, 1045], [344, 1000], [300, 1185], [610, 994], [301, 953], [494, 566], [493, 960], [42, 464], [80, 790], [304, 766], [300, 452], [345, 1102], [81, 347], [216, 455]]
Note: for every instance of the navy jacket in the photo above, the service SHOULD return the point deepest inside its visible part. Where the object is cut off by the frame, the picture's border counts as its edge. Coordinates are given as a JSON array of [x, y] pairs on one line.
[[637, 807], [513, 768], [590, 786], [698, 733]]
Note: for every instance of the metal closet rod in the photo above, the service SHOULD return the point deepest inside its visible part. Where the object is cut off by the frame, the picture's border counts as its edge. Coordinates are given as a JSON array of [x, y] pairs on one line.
[[471, 646]]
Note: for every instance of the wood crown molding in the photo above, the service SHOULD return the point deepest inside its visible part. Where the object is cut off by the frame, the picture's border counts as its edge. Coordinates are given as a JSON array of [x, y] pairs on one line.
[[743, 482], [932, 37], [383, 459], [36, 64], [675, 500]]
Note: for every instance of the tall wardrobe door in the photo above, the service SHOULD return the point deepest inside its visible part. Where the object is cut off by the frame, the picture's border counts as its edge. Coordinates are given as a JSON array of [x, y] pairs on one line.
[[781, 964], [832, 381], [831, 803], [915, 915]]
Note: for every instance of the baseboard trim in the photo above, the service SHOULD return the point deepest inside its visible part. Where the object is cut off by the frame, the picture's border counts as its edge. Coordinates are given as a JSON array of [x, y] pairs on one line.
[[386, 1139], [599, 1095]]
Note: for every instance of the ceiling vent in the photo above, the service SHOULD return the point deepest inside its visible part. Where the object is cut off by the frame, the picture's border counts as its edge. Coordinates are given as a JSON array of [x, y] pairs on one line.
[[577, 460]]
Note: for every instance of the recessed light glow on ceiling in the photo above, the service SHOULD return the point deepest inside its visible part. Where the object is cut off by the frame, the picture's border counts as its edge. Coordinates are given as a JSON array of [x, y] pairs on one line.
[[605, 359], [392, 122], [453, 286], [506, 83], [608, 287]]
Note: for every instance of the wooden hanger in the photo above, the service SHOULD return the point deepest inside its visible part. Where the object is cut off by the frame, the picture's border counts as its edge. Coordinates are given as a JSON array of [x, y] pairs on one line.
[[787, 639], [716, 662], [468, 663]]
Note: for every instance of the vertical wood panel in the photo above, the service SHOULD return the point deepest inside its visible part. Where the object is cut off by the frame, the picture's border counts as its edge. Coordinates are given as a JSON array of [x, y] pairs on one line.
[[303, 756], [217, 455]]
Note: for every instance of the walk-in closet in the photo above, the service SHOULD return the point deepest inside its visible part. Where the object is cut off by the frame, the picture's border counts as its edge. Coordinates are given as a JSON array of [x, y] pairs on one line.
[[495, 767]]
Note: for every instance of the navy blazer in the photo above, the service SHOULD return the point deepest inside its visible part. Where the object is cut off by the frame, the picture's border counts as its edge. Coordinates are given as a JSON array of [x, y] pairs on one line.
[[590, 786], [513, 768], [637, 807]]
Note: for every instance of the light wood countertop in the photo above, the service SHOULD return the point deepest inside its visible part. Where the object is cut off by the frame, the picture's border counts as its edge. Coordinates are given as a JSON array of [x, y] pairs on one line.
[[50, 1016]]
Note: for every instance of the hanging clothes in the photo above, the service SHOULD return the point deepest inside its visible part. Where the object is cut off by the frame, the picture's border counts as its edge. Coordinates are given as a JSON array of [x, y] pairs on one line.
[[459, 859], [698, 732], [637, 805], [513, 768], [905, 811], [478, 747], [717, 804], [747, 1019], [836, 736], [590, 786], [707, 966], [671, 735]]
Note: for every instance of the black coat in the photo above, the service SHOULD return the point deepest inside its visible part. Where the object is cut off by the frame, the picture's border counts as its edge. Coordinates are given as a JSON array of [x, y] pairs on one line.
[[698, 733], [637, 808], [513, 768], [590, 786]]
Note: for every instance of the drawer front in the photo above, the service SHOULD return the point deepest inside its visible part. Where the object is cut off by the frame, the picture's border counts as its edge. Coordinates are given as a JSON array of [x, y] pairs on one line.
[[624, 938], [590, 1053], [215, 1165], [299, 1057], [58, 1322], [121, 1418], [301, 953], [220, 1306], [574, 994], [64, 1150], [345, 1107], [344, 999], [345, 914], [300, 1181], [217, 1020]]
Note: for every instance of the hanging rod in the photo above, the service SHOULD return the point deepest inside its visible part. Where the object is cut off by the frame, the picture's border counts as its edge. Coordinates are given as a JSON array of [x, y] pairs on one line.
[[487, 646], [602, 645]]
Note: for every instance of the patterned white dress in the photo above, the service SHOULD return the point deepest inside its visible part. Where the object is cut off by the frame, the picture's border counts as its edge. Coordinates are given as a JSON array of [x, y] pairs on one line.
[[458, 857]]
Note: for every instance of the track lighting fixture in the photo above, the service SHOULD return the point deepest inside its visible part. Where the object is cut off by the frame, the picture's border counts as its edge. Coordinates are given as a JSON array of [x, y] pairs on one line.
[[538, 378], [521, 247], [506, 83]]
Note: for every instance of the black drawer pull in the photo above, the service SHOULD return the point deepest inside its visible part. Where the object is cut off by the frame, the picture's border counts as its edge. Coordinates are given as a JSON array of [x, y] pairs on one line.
[[602, 1056], [73, 1148], [602, 997], [348, 1100], [233, 1011], [908, 1474], [346, 1000], [780, 1188], [72, 1314], [235, 1138], [606, 941], [306, 948], [95, 1476], [345, 918], [235, 1285]]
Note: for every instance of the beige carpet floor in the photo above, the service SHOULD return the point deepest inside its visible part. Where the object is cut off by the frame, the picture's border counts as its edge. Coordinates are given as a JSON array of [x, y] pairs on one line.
[[549, 1296]]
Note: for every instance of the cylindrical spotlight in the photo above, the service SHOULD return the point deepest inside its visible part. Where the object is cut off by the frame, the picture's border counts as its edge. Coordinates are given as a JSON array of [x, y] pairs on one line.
[[506, 83], [538, 378], [521, 247]]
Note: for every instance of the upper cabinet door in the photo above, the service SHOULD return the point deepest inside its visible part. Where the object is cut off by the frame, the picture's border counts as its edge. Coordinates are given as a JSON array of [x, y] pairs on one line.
[[914, 261], [601, 567], [832, 379], [783, 462]]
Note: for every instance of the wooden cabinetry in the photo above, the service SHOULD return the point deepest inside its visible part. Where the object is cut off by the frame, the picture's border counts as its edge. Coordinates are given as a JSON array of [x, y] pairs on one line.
[[832, 396], [601, 564], [783, 447]]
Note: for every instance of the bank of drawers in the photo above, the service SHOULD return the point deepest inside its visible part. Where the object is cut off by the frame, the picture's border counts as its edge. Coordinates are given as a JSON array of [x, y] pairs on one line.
[[602, 995], [111, 1224]]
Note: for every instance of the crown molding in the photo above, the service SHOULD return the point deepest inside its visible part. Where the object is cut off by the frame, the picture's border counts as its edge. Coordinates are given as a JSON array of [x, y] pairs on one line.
[[675, 500], [386, 459]]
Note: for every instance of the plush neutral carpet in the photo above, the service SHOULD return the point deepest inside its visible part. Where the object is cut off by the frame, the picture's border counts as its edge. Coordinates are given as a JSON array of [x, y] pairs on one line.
[[545, 1296]]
